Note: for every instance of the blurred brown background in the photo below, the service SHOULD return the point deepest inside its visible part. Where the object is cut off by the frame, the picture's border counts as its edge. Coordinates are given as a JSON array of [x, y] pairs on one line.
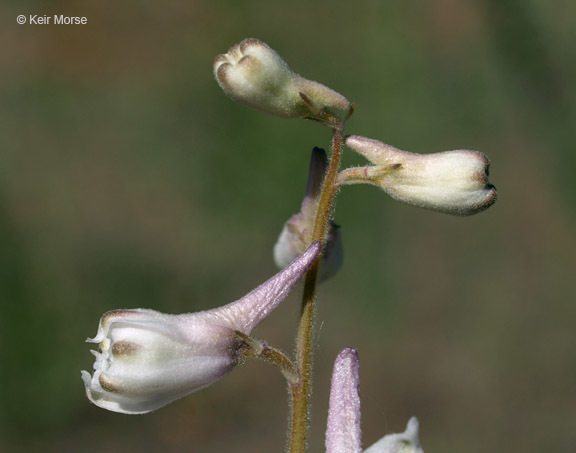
[[128, 179]]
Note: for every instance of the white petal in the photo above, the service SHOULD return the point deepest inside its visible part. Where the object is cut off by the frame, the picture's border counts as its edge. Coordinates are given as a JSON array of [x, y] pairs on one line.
[[406, 442]]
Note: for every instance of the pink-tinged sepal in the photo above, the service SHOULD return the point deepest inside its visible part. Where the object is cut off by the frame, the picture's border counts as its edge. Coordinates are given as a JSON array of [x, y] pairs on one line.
[[246, 313]]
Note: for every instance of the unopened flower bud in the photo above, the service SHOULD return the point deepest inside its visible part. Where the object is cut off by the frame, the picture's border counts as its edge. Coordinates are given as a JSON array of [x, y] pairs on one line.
[[148, 359], [406, 442], [343, 433], [255, 75], [298, 230], [453, 182]]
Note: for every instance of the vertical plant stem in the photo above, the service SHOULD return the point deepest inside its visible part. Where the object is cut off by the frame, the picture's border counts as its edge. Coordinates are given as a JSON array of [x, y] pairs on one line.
[[301, 392]]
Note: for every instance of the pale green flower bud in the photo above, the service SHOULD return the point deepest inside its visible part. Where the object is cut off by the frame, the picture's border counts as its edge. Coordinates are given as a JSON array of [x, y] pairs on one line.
[[255, 75], [453, 182]]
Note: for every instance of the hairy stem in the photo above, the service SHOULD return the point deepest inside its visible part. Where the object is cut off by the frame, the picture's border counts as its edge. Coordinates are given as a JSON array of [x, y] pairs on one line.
[[302, 391]]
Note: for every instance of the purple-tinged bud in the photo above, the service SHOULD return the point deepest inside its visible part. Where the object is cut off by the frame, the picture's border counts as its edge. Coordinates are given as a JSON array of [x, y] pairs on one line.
[[298, 230], [343, 433], [453, 182], [255, 75], [148, 359]]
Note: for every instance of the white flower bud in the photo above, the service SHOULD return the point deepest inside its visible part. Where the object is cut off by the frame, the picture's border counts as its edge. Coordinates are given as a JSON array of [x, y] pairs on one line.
[[148, 359], [453, 182], [255, 75], [406, 442], [297, 231]]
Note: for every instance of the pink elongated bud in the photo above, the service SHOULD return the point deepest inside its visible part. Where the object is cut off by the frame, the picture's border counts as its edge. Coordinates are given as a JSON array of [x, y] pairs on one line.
[[148, 359], [453, 182], [253, 74], [298, 230], [343, 433]]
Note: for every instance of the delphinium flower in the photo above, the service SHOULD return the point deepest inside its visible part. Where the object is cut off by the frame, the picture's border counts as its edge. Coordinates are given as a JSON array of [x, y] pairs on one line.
[[453, 182], [148, 359], [343, 433], [297, 231], [253, 74]]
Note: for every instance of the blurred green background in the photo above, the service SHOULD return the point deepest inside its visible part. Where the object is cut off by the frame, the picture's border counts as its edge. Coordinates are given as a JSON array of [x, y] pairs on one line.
[[128, 179]]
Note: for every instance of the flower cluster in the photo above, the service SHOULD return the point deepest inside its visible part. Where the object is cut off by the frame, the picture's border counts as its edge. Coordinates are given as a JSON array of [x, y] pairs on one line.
[[148, 359], [453, 182]]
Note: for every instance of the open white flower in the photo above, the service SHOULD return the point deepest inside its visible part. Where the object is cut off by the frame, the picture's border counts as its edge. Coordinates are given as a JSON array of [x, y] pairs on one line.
[[453, 182], [255, 75], [148, 359], [343, 433]]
